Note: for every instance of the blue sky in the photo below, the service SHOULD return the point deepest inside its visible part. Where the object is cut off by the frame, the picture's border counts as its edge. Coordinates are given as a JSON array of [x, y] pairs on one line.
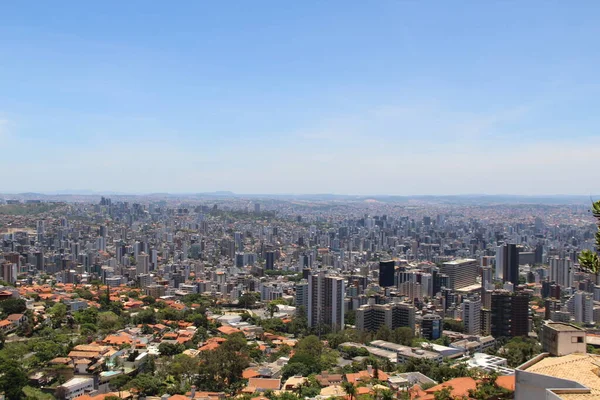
[[349, 97]]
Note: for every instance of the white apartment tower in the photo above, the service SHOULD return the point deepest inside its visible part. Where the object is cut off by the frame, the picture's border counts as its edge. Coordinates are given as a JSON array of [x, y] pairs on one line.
[[326, 300], [471, 310], [561, 271]]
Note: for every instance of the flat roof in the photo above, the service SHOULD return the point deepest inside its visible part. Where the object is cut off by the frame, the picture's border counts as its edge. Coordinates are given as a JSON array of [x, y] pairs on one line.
[[564, 327], [470, 288], [76, 381], [460, 261]]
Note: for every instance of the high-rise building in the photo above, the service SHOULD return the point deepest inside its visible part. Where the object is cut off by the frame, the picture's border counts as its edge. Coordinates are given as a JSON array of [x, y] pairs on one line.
[[486, 277], [461, 273], [143, 264], [501, 255], [270, 260], [326, 300], [510, 314], [471, 310], [561, 271], [302, 295], [432, 326], [9, 272], [511, 264], [239, 241], [386, 273], [371, 317], [581, 307]]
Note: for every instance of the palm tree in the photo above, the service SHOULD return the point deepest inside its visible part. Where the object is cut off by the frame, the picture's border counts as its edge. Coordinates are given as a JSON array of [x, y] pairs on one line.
[[588, 259], [350, 389]]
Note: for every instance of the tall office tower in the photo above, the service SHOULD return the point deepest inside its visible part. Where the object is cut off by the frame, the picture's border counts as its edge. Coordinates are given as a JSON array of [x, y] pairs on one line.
[[511, 265], [471, 310], [249, 259], [371, 317], [461, 273], [326, 300], [153, 259], [581, 307], [39, 261], [9, 272], [561, 271], [143, 264], [257, 208], [486, 277], [101, 243], [432, 326], [40, 230], [270, 260], [501, 256], [386, 273], [302, 296], [539, 254], [510, 314], [239, 260], [137, 249], [239, 242], [427, 285]]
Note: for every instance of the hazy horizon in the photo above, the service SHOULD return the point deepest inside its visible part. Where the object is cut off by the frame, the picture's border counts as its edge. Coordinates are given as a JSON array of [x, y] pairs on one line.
[[266, 97]]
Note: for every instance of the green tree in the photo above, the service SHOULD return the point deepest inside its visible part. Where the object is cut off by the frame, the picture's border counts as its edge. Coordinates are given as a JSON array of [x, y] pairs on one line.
[[444, 394], [403, 335], [588, 259], [487, 388], [221, 369], [170, 349], [145, 317], [47, 350], [147, 385], [310, 345], [454, 325], [119, 382], [87, 316], [183, 367], [13, 306], [57, 313], [384, 333], [12, 379], [519, 349], [109, 321], [247, 300]]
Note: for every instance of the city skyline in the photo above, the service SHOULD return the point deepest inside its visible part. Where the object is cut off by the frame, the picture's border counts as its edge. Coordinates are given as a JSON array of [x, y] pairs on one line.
[[392, 98]]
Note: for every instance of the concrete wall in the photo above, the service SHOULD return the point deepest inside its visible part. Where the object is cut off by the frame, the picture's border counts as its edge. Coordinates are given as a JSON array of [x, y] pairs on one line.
[[532, 386]]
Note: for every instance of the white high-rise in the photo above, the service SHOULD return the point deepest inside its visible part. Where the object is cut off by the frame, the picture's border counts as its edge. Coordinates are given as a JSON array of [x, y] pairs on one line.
[[561, 271], [581, 307], [326, 300], [500, 260], [471, 310]]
